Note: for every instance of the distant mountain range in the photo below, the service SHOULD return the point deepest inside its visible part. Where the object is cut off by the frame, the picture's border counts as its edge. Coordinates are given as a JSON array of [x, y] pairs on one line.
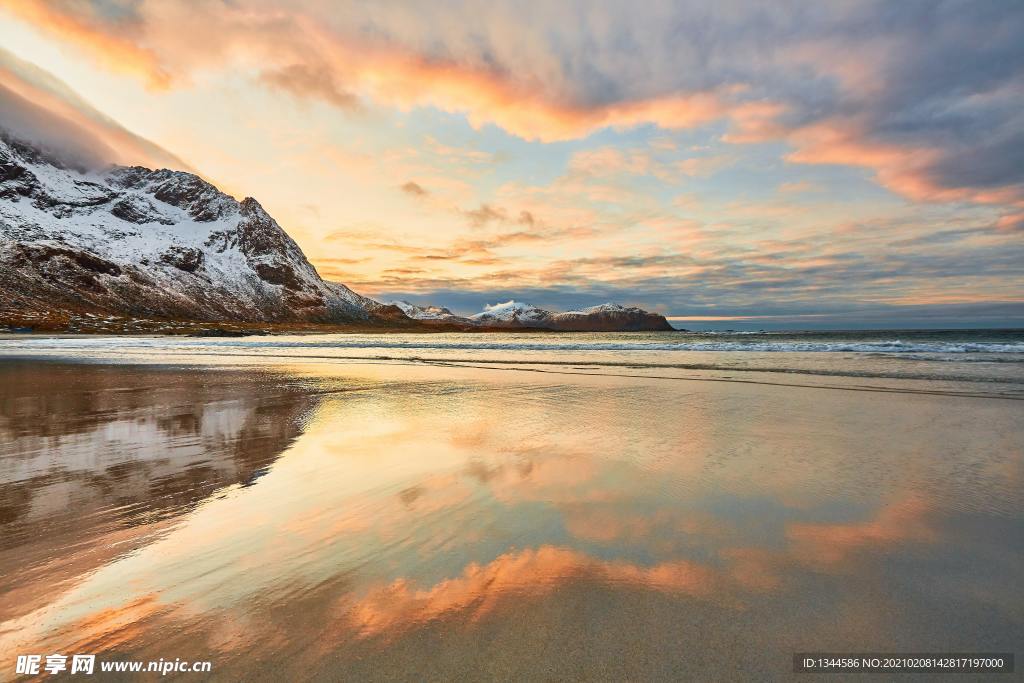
[[133, 243], [513, 314]]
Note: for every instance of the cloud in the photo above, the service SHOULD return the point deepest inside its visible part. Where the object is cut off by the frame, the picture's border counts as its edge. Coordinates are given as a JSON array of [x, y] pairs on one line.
[[113, 39], [654, 160], [485, 214], [414, 189], [38, 108], [309, 81], [1011, 222]]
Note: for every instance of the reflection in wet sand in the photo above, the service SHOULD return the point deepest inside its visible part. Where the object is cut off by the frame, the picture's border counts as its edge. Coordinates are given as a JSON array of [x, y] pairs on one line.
[[97, 461], [451, 523]]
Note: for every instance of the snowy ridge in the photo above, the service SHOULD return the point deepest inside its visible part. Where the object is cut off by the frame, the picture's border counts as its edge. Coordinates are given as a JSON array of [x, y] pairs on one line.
[[133, 241], [512, 312], [600, 308], [427, 312], [602, 318], [516, 314]]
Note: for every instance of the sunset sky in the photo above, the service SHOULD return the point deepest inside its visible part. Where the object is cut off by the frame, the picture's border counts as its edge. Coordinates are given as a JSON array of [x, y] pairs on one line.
[[772, 164]]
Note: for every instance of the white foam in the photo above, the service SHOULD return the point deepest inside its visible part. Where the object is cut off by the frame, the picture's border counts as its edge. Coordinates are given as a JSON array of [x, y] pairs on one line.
[[503, 343]]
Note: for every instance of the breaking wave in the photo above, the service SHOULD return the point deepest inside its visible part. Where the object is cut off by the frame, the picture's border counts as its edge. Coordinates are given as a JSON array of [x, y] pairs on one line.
[[574, 343]]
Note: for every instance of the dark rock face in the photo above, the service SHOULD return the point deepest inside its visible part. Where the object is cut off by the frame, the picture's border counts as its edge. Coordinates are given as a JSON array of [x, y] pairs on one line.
[[279, 274], [72, 276], [45, 255], [390, 312], [625, 320], [15, 180], [270, 251], [259, 234], [183, 258], [191, 194], [138, 210]]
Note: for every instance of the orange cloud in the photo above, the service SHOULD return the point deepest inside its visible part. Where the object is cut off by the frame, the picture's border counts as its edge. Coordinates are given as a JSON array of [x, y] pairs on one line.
[[900, 168], [120, 53], [756, 122], [904, 169], [1011, 222], [400, 605], [830, 546]]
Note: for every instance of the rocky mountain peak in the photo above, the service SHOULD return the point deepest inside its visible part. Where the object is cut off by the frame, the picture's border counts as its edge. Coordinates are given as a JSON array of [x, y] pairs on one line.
[[260, 235], [202, 201]]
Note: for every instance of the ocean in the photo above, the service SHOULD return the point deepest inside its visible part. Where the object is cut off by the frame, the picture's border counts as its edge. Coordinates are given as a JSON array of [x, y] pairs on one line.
[[989, 362]]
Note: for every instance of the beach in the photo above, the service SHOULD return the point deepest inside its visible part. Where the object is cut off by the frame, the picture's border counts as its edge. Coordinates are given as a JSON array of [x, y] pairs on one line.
[[511, 507]]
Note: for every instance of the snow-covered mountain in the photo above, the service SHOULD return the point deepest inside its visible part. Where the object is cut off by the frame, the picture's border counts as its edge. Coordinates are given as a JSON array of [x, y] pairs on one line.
[[611, 317], [438, 313], [603, 318], [513, 314], [136, 242]]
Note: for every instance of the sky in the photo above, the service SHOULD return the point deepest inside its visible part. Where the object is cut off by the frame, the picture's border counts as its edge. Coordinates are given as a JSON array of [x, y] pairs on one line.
[[776, 164]]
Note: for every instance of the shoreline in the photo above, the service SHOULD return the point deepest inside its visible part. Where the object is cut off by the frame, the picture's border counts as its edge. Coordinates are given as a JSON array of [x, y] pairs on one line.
[[569, 369]]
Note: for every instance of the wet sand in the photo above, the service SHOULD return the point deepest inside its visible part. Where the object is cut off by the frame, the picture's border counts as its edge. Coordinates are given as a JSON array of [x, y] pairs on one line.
[[320, 520]]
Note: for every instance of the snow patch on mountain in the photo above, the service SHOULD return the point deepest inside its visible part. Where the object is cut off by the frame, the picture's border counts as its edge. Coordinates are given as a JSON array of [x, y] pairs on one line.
[[600, 308], [427, 312], [511, 312]]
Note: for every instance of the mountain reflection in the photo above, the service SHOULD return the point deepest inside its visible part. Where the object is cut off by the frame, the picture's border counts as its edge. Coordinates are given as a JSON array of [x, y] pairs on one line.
[[96, 461]]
